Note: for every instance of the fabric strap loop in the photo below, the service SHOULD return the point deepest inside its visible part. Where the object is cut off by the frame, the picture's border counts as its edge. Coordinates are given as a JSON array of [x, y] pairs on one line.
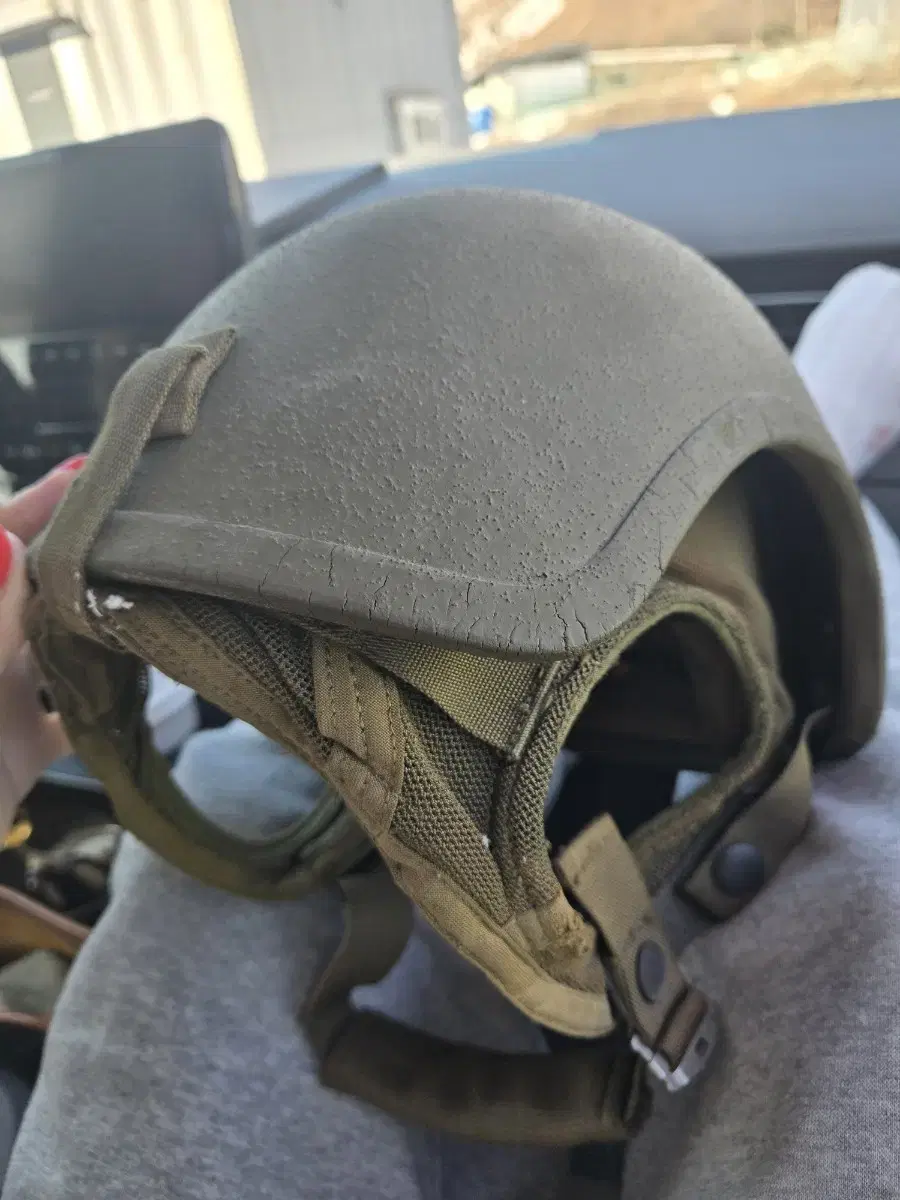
[[159, 396], [662, 1010], [150, 804], [591, 1091]]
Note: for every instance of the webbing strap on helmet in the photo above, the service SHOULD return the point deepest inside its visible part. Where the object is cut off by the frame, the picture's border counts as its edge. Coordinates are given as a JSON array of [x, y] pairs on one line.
[[96, 686], [672, 1026], [592, 1092], [96, 690], [771, 818]]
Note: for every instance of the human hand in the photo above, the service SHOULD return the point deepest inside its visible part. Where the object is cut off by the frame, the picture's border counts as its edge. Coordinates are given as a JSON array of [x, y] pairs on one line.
[[30, 737]]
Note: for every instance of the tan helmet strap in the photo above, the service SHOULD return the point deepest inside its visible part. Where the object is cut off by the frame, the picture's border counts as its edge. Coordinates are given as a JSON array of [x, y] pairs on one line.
[[772, 823], [672, 1024], [497, 700], [95, 684], [97, 695], [592, 1091]]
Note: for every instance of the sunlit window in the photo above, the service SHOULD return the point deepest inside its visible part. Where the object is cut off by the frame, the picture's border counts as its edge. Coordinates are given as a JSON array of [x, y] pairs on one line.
[[328, 84]]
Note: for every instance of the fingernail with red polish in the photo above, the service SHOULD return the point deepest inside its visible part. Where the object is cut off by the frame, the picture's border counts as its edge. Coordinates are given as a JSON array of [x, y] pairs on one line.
[[7, 554], [73, 464]]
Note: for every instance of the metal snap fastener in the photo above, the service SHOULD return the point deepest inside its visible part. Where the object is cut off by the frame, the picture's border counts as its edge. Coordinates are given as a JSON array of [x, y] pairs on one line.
[[739, 870], [650, 969]]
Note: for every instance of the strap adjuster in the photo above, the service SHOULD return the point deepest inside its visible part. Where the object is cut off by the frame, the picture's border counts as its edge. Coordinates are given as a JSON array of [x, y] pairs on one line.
[[693, 1061]]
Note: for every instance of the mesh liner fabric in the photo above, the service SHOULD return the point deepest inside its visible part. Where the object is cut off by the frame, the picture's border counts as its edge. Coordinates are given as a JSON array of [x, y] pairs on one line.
[[208, 643], [466, 765], [457, 816], [444, 812], [446, 807], [261, 644], [519, 822], [462, 806]]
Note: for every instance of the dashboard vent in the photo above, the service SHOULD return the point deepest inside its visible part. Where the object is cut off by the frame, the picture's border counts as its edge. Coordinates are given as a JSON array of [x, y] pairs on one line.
[[787, 312]]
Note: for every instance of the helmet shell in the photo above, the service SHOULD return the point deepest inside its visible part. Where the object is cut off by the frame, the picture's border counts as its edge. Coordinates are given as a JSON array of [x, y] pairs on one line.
[[485, 419]]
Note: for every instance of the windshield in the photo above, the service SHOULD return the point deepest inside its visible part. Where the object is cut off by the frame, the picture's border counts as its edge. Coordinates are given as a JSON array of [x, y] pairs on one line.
[[320, 85]]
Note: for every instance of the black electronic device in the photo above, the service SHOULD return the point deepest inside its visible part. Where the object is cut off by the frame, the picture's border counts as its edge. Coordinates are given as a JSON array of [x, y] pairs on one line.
[[104, 248]]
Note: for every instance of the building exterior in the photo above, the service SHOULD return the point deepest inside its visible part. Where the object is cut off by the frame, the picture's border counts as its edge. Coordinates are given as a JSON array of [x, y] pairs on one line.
[[307, 85], [497, 30], [878, 17], [75, 70], [364, 79], [514, 88]]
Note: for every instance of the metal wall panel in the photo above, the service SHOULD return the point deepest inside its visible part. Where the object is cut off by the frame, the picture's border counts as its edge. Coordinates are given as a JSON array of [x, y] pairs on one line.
[[299, 84], [14, 137], [161, 61], [16, 13], [144, 63], [322, 74]]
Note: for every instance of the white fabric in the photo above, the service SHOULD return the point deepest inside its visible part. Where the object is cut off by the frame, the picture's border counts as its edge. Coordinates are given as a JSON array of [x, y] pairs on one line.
[[849, 357]]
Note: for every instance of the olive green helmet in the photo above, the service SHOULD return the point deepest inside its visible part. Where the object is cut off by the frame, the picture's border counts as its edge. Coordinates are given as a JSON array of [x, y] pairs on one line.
[[425, 494]]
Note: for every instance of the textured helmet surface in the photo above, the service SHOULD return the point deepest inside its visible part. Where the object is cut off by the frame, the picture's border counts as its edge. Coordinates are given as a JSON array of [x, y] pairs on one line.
[[480, 418], [429, 494]]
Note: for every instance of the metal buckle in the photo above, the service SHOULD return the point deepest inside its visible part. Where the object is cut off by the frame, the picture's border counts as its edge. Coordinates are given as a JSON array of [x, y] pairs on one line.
[[694, 1060]]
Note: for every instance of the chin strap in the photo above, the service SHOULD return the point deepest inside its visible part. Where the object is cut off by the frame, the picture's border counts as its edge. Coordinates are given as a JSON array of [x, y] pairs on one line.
[[593, 1091], [672, 1026], [588, 1091]]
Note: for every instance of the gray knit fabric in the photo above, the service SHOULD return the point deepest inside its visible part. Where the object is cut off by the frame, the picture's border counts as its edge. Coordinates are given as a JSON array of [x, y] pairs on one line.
[[804, 1100], [174, 1070]]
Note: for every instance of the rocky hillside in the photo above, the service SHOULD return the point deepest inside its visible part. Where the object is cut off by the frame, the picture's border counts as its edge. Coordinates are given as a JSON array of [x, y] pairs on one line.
[[491, 30]]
